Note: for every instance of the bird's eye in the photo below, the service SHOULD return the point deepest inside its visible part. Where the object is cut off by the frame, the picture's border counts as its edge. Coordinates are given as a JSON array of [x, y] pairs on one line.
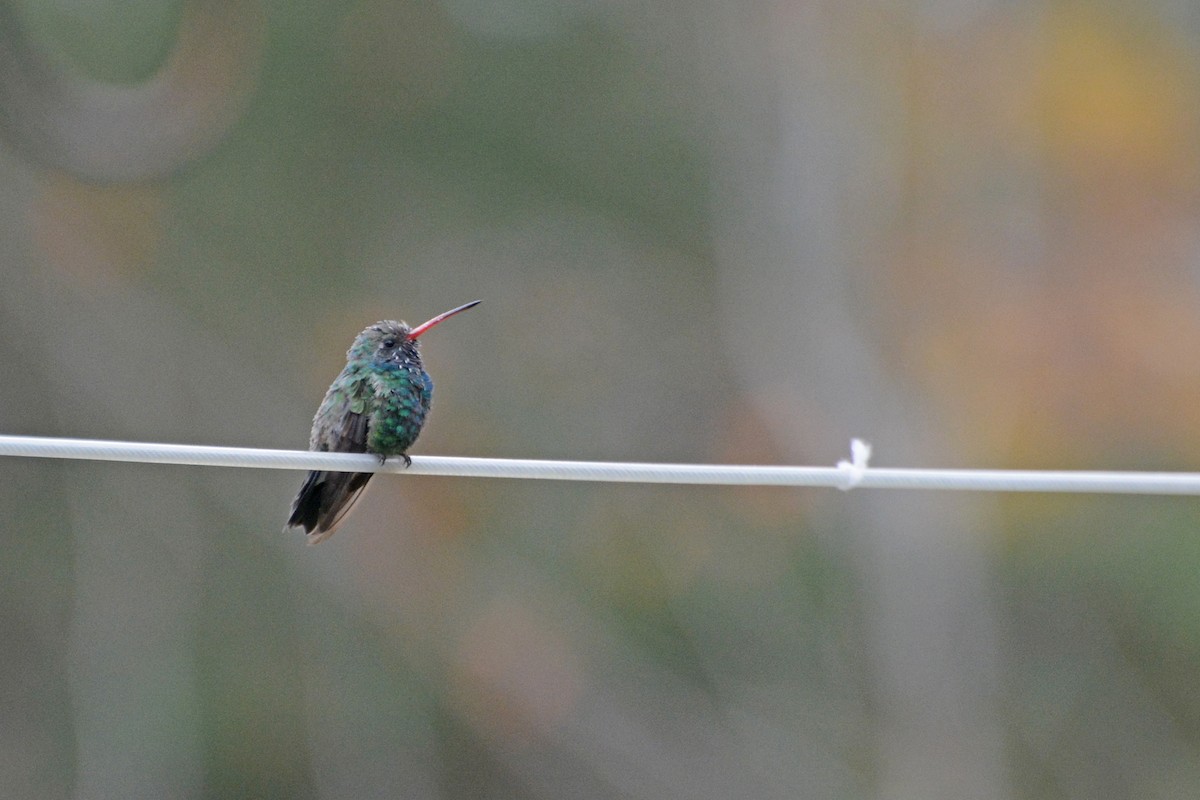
[[388, 344]]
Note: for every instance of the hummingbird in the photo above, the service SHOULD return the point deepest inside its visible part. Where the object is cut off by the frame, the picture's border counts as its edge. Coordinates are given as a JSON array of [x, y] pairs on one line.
[[377, 404]]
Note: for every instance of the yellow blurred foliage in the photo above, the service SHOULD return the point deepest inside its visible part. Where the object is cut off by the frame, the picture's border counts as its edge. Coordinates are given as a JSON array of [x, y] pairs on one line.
[[1115, 93]]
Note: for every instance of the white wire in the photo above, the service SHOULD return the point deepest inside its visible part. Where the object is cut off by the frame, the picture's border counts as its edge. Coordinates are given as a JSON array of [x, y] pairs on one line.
[[845, 476]]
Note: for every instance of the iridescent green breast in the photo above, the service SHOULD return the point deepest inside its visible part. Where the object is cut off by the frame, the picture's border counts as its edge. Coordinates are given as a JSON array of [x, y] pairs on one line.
[[401, 402]]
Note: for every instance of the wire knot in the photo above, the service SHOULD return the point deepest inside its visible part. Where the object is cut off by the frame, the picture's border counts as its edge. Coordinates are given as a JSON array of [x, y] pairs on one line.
[[856, 468]]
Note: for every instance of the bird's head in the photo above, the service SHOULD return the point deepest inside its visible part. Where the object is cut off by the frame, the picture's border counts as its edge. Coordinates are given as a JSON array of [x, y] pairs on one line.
[[390, 342]]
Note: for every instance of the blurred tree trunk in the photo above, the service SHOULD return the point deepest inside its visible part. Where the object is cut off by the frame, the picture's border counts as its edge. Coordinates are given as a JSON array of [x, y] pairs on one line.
[[810, 149]]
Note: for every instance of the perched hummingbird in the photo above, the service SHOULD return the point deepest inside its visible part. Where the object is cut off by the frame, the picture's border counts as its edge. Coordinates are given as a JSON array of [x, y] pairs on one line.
[[377, 404]]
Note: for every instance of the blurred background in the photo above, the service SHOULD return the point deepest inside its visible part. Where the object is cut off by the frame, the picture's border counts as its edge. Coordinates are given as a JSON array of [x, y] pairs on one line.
[[967, 231]]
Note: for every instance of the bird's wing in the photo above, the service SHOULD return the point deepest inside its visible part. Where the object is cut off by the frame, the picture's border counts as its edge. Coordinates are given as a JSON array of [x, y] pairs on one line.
[[326, 497], [341, 423]]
